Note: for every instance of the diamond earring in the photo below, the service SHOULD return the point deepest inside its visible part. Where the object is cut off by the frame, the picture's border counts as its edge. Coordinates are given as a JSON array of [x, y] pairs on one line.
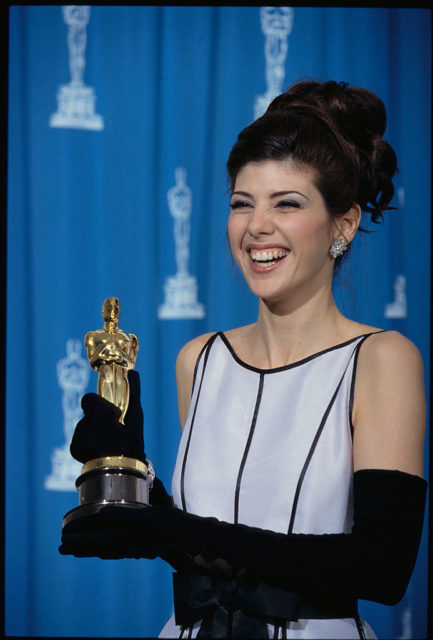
[[338, 248]]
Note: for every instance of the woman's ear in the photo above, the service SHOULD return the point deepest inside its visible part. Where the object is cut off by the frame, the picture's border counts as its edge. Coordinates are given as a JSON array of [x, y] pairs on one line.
[[347, 224]]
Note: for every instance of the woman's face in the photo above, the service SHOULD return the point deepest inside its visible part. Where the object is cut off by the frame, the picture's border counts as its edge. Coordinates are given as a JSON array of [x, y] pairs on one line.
[[280, 231]]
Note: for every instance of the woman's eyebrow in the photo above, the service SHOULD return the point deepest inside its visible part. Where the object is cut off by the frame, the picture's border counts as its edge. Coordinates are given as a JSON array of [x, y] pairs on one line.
[[273, 195], [242, 193], [277, 194]]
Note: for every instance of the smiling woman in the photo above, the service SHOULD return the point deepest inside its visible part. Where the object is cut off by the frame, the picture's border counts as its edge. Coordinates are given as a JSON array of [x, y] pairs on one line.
[[303, 432]]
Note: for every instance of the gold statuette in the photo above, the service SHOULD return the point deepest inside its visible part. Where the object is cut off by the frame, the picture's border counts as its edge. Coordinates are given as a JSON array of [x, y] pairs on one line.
[[112, 480], [112, 352]]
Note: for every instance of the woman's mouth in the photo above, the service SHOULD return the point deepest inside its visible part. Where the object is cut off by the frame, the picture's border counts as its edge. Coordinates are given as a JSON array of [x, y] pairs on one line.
[[266, 258]]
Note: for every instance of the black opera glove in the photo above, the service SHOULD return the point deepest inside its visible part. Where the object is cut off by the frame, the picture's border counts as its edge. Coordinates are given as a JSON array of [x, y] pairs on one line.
[[99, 433], [373, 562]]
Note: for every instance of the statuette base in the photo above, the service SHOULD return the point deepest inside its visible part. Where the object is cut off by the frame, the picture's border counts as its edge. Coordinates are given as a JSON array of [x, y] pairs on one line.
[[118, 462], [95, 507], [111, 481]]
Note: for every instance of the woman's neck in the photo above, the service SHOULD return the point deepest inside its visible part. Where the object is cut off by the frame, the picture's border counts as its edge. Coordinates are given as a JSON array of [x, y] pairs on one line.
[[282, 336]]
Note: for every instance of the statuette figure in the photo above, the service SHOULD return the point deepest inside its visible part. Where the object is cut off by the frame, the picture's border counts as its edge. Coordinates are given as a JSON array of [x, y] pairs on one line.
[[112, 352]]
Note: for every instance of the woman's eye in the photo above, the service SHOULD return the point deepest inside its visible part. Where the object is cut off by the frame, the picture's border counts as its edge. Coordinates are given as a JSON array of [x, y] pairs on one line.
[[239, 204], [285, 204]]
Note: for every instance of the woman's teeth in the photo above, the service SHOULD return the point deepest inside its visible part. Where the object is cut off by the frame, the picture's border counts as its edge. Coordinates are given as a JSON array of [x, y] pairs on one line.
[[268, 256]]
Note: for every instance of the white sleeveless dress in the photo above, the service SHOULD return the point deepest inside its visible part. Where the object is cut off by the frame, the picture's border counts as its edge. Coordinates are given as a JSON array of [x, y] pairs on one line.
[[272, 448]]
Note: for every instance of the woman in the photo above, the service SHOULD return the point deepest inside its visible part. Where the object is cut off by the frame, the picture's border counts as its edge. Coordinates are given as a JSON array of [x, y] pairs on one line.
[[303, 432]]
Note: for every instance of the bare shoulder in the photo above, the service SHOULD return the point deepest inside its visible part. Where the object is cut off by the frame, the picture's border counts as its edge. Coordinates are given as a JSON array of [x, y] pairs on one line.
[[388, 349], [187, 356], [389, 364]]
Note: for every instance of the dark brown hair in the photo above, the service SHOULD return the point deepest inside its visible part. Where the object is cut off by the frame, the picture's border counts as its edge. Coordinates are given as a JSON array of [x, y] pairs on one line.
[[333, 128]]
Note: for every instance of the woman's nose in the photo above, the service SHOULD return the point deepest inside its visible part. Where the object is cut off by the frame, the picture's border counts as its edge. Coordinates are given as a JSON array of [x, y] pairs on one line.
[[261, 221]]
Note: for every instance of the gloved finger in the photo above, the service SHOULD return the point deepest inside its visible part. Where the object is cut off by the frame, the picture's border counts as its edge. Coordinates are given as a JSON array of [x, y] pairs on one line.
[[82, 525], [104, 544], [94, 404], [93, 540], [90, 551], [83, 544], [134, 385], [107, 522], [121, 517], [99, 432], [69, 550], [134, 414], [79, 550], [90, 441]]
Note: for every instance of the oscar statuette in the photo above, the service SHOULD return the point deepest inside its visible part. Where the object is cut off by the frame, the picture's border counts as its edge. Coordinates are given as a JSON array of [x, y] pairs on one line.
[[112, 480]]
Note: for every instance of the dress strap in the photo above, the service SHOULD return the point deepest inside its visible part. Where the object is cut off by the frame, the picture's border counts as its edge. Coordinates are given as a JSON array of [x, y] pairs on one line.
[[206, 348]]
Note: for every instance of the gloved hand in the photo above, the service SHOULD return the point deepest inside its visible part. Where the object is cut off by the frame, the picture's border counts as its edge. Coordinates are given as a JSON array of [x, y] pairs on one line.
[[120, 532], [99, 433], [110, 533], [373, 562]]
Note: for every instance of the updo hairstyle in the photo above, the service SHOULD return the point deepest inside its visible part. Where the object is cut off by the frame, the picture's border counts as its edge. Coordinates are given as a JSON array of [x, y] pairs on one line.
[[335, 129]]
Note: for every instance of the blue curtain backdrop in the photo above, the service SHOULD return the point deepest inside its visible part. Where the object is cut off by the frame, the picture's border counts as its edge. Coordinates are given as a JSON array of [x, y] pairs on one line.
[[120, 122]]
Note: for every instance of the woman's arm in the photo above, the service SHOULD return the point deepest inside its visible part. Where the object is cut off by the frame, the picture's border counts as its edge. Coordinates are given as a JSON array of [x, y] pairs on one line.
[[389, 410]]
